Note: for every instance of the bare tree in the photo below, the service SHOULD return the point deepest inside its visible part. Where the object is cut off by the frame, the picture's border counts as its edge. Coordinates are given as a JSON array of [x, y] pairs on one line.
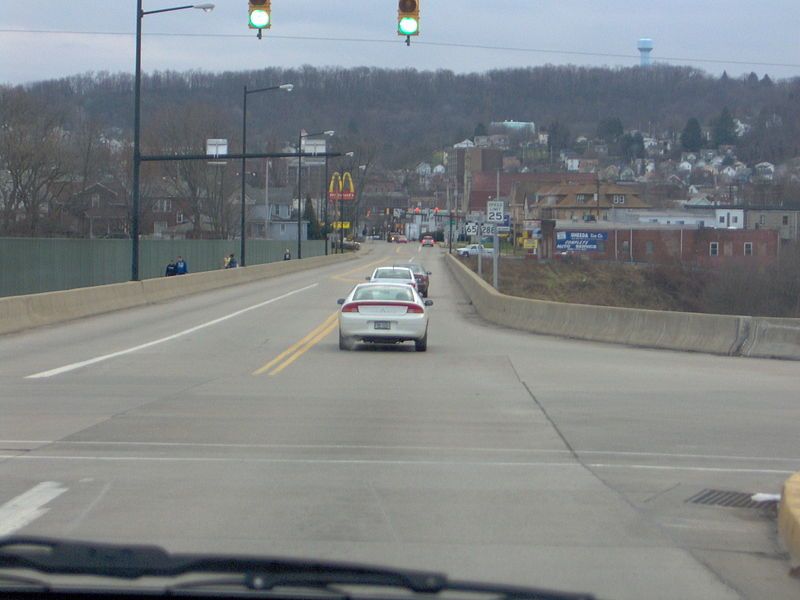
[[32, 151], [205, 188]]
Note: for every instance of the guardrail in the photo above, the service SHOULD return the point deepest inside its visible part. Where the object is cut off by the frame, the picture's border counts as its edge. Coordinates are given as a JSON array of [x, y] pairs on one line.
[[35, 310], [730, 335]]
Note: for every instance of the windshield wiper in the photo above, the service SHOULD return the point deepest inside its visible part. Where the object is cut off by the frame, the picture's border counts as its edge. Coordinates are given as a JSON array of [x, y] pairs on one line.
[[64, 557]]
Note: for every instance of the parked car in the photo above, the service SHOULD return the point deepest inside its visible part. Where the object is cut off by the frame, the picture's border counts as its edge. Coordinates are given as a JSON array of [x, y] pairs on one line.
[[401, 239], [386, 313], [474, 250], [421, 275], [394, 275]]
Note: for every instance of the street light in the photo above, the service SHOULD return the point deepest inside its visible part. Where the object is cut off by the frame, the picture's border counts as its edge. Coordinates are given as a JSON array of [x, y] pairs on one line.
[[137, 111], [329, 133], [286, 87]]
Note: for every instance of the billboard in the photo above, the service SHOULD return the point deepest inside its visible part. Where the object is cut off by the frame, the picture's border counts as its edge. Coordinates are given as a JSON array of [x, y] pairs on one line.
[[580, 241]]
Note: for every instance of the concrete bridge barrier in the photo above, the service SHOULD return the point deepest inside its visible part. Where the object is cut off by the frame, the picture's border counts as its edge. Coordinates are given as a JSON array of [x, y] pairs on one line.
[[715, 334], [34, 310]]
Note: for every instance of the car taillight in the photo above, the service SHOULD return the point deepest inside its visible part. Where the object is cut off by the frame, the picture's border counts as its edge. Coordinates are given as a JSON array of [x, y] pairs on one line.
[[350, 308], [415, 308]]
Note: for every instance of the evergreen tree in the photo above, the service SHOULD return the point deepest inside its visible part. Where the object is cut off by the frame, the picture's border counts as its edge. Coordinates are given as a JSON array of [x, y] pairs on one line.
[[724, 129], [610, 130], [480, 129], [692, 136], [310, 215]]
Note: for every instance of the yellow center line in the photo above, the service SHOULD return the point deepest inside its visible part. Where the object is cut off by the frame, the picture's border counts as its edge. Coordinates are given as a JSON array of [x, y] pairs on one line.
[[296, 345], [317, 339], [341, 276]]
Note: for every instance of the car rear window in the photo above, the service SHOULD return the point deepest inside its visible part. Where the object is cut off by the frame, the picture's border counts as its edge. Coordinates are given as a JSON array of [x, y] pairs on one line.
[[392, 274], [388, 292], [416, 269]]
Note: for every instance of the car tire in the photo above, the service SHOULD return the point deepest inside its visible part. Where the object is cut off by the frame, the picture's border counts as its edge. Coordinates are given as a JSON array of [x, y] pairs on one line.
[[344, 343], [422, 344]]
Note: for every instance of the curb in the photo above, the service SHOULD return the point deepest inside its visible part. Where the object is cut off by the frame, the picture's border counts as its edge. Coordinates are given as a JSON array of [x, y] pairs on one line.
[[789, 519]]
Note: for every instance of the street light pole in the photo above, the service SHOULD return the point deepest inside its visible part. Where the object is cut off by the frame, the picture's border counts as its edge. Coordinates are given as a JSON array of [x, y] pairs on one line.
[[300, 195], [288, 87], [325, 191], [137, 114]]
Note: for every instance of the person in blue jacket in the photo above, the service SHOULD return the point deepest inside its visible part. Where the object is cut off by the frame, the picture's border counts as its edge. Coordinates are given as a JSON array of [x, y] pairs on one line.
[[181, 268]]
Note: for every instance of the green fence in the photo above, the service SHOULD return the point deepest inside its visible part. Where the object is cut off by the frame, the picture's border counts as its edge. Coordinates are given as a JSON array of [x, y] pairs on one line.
[[33, 265]]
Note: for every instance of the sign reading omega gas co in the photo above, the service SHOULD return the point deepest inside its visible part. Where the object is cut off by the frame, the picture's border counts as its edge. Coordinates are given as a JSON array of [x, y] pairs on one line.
[[580, 241]]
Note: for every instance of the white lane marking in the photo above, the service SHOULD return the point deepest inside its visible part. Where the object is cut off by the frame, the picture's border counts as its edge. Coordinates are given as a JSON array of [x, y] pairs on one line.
[[310, 461], [687, 468], [97, 359], [355, 461], [410, 448], [285, 446], [27, 507]]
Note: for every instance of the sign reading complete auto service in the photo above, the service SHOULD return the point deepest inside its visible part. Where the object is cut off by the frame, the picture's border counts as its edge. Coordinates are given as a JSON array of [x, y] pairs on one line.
[[580, 241]]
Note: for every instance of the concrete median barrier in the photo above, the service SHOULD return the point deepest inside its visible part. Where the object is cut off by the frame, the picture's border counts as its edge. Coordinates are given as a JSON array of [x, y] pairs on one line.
[[789, 519], [18, 313], [695, 332]]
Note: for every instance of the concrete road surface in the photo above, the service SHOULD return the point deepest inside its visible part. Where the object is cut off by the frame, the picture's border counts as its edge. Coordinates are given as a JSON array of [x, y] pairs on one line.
[[231, 422]]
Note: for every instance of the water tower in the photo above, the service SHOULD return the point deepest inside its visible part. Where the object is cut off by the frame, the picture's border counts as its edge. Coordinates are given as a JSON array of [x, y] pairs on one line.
[[645, 48]]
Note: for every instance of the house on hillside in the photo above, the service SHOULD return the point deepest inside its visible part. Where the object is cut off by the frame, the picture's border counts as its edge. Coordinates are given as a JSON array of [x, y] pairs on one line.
[[578, 202], [96, 212]]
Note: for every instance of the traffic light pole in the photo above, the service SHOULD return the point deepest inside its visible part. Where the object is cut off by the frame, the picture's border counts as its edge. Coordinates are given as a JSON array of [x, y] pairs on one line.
[[242, 225]]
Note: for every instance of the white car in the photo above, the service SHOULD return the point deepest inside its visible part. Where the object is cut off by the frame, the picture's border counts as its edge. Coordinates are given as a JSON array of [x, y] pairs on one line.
[[474, 250], [393, 275], [385, 313]]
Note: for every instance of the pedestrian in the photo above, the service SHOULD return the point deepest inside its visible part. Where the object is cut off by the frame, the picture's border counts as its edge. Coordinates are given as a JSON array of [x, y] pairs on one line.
[[231, 262], [181, 268], [287, 255], [226, 261], [170, 269]]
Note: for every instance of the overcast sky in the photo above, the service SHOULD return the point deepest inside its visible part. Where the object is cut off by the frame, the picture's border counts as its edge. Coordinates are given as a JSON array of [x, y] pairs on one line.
[[697, 30]]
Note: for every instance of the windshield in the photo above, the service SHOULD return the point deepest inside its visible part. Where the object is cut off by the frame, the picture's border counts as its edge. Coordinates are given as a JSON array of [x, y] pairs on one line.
[[392, 274], [503, 290], [384, 292]]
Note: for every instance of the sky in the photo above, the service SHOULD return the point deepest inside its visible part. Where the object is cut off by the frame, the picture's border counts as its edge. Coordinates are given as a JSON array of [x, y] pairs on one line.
[[363, 33]]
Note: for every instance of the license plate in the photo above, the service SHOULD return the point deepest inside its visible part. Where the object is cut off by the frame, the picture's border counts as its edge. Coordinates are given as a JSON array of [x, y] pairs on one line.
[[382, 325]]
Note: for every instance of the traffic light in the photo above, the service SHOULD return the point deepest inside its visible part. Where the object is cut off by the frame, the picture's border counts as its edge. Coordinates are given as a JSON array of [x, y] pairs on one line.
[[260, 14], [408, 17]]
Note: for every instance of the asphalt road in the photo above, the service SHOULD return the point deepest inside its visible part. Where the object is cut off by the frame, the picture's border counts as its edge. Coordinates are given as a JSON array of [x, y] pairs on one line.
[[231, 422]]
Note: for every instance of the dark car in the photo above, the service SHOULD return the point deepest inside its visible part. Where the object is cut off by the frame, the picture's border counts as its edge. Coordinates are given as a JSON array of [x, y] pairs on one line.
[[421, 275]]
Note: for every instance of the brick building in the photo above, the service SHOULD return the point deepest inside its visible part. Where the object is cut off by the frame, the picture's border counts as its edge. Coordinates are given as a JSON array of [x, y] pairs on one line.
[[700, 247]]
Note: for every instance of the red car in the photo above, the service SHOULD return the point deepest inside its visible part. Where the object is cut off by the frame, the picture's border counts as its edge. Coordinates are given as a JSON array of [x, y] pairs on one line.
[[427, 241], [401, 239]]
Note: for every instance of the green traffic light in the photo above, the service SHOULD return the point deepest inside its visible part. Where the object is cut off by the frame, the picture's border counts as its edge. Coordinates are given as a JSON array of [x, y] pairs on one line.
[[408, 26], [259, 19]]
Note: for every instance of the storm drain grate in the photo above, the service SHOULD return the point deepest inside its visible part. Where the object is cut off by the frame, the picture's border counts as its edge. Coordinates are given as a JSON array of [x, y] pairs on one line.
[[723, 498]]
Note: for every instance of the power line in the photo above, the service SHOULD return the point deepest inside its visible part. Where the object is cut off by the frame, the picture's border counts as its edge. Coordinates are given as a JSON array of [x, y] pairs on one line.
[[670, 59]]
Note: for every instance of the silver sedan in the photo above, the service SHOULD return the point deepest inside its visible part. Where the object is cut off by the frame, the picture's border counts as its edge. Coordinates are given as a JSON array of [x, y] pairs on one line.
[[385, 313]]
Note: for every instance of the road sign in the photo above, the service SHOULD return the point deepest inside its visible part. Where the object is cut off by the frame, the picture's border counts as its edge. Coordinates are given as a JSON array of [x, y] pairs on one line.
[[494, 211], [580, 241], [471, 229], [341, 224], [487, 229]]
